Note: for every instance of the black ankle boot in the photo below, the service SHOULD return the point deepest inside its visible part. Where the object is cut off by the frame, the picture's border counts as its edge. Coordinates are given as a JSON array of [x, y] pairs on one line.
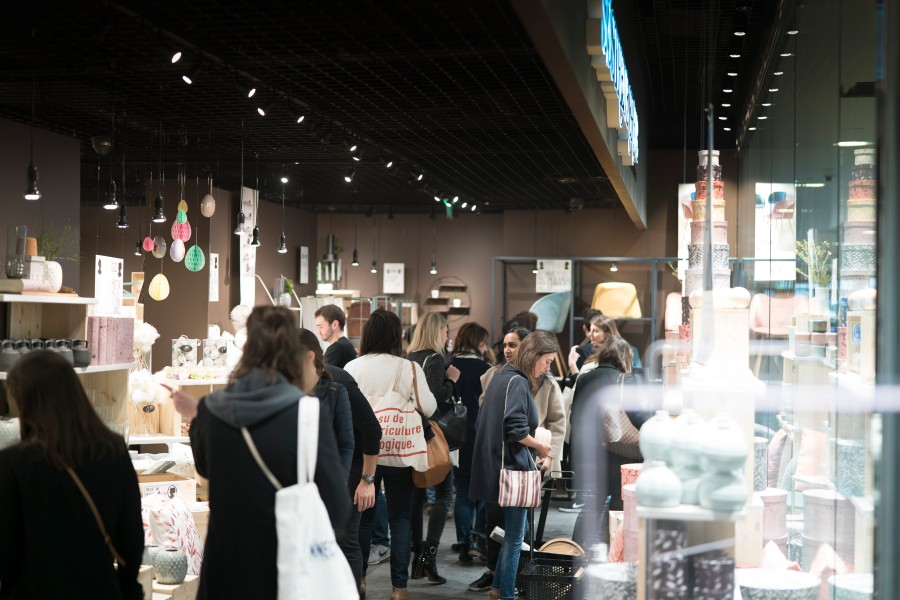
[[429, 564], [464, 552], [415, 571]]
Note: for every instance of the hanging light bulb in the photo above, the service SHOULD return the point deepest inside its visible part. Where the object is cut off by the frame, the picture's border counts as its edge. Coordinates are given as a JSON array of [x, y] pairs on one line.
[[614, 267], [111, 202], [158, 216], [374, 268], [32, 192], [239, 229], [138, 247], [255, 240], [122, 223], [433, 266], [355, 261], [282, 249], [534, 268]]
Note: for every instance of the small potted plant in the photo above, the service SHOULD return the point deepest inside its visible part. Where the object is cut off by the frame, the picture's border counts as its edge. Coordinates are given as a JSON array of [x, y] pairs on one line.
[[55, 246], [284, 298], [817, 258]]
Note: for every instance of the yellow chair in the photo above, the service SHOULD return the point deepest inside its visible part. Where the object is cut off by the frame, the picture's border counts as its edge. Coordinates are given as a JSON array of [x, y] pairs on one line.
[[617, 299]]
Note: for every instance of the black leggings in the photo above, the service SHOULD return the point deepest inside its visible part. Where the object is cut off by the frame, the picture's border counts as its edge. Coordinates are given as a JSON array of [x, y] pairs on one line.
[[443, 493]]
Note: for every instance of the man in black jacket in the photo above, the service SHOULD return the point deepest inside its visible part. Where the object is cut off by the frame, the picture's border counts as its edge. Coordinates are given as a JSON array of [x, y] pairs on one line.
[[330, 321]]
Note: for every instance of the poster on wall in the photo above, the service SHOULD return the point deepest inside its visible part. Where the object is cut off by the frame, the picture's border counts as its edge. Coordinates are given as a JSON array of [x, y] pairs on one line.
[[108, 285], [247, 252], [686, 194], [553, 276], [775, 232], [303, 276], [213, 277], [392, 283]]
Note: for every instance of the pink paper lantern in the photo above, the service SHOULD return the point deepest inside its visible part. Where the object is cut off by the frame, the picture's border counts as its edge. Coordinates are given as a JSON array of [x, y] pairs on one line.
[[148, 244], [181, 231]]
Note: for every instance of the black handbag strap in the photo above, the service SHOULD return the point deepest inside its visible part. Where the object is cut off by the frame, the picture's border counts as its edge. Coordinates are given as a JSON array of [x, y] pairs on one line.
[[90, 502]]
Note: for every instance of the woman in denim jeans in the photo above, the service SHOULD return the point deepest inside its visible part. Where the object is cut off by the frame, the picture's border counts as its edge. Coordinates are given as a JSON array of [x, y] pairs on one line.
[[506, 425]]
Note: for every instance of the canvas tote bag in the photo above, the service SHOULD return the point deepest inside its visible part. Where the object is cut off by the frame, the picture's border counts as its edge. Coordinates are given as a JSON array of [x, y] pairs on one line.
[[402, 438], [310, 563], [517, 488]]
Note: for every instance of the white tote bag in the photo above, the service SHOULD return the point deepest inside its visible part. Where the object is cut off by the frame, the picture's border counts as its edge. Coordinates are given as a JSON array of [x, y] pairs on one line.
[[402, 437], [310, 563]]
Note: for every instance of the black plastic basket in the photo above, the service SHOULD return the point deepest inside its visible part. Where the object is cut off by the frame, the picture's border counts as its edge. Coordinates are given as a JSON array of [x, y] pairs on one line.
[[549, 577]]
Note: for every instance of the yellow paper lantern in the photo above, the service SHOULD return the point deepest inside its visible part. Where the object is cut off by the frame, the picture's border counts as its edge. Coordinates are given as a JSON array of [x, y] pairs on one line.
[[182, 205], [159, 287]]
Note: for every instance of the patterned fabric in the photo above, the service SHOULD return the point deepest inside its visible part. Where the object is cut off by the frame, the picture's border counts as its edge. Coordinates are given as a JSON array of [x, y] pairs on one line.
[[169, 522]]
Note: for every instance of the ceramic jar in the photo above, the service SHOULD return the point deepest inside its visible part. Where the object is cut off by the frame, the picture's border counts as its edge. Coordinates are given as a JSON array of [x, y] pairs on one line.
[[170, 565], [657, 486], [687, 453], [81, 353], [64, 347], [724, 452], [8, 355], [53, 274], [656, 436]]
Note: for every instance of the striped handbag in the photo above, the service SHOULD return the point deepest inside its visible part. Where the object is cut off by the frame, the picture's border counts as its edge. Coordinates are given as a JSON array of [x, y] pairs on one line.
[[518, 488]]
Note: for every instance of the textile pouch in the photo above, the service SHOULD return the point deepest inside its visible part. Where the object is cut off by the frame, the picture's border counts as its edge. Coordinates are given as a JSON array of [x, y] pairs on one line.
[[438, 453], [518, 488], [310, 563], [620, 436], [402, 437]]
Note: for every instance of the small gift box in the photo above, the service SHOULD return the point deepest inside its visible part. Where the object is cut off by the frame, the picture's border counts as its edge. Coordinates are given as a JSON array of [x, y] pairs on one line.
[[184, 352], [215, 352]]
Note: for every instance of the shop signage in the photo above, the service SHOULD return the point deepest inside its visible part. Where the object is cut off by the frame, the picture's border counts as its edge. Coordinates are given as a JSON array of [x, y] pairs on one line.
[[608, 60], [393, 278], [553, 276]]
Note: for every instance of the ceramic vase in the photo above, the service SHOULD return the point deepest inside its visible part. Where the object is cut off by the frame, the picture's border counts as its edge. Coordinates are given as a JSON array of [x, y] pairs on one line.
[[724, 452], [53, 274], [656, 436], [657, 486], [284, 299], [170, 565], [687, 453]]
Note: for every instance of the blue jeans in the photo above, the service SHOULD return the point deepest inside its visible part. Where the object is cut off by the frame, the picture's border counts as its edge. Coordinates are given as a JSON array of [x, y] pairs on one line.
[[398, 492], [380, 526], [468, 514], [508, 562]]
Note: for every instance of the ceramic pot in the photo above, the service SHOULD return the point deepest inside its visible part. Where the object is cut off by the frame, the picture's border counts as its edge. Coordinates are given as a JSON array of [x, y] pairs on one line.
[[687, 453], [9, 431], [772, 584], [284, 299], [81, 352], [8, 355], [657, 486], [170, 565], [23, 346], [53, 274], [724, 447], [64, 347], [851, 586], [722, 491], [149, 555], [656, 436]]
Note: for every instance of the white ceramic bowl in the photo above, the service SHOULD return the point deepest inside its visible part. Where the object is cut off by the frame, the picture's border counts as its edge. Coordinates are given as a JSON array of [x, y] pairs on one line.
[[772, 584]]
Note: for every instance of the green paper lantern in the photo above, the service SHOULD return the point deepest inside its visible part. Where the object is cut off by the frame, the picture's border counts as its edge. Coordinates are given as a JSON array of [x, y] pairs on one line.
[[194, 260], [181, 216]]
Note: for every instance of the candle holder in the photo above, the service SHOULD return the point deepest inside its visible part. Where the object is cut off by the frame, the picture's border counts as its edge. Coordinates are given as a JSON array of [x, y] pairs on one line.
[[16, 240]]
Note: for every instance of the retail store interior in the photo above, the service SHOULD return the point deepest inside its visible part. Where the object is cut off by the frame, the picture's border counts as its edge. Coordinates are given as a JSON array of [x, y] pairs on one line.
[[708, 176]]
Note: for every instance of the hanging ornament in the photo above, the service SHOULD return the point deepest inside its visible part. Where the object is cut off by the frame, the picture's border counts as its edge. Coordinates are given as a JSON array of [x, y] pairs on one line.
[[176, 250], [159, 246], [159, 287], [208, 206], [182, 205], [181, 231], [148, 244], [181, 216], [194, 260]]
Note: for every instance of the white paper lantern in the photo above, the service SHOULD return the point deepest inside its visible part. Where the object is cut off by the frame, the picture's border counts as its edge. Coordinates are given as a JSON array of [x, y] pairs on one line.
[[176, 250]]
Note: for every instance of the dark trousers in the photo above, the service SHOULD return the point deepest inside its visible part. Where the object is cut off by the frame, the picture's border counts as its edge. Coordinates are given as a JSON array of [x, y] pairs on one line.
[[443, 497], [493, 517], [398, 496], [348, 541]]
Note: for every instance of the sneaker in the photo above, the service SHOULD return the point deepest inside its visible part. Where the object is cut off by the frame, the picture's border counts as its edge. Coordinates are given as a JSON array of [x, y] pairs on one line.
[[482, 583], [498, 535], [477, 548], [574, 507], [378, 554]]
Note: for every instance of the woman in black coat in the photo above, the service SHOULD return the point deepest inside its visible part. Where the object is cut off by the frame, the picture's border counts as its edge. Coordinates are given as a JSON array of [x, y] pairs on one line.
[[241, 545], [51, 545]]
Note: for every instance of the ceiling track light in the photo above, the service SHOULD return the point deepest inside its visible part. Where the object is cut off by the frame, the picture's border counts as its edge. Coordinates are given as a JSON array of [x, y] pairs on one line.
[[189, 77], [614, 267], [175, 57], [255, 240], [388, 162], [239, 229], [349, 175], [534, 267]]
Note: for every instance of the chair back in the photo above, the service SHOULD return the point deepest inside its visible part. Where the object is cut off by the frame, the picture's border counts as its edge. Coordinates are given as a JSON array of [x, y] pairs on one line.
[[552, 311], [617, 299]]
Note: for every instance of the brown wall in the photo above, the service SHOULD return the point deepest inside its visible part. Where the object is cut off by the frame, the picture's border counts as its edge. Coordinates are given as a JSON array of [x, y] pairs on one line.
[[57, 158]]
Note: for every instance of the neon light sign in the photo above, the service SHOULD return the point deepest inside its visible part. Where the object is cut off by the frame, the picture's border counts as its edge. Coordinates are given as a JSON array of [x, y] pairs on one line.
[[609, 62]]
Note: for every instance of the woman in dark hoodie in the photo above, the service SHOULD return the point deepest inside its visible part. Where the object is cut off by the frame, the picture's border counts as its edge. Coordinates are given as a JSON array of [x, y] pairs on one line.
[[264, 397]]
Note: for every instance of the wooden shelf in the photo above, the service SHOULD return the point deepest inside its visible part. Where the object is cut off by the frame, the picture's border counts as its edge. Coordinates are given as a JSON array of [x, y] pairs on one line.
[[449, 287], [458, 310], [92, 369], [687, 512], [139, 440], [46, 298], [440, 301]]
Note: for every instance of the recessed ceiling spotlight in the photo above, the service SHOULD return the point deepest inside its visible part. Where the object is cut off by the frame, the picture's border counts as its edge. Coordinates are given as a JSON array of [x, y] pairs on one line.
[[740, 33], [727, 128], [351, 173], [726, 105], [732, 74], [752, 128], [792, 32], [777, 73], [723, 118], [727, 90], [734, 55], [176, 57], [762, 117], [786, 54], [773, 90], [767, 104], [284, 179]]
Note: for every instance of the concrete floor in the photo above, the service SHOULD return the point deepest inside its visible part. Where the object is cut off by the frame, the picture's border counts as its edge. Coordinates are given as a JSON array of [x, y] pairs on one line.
[[459, 575]]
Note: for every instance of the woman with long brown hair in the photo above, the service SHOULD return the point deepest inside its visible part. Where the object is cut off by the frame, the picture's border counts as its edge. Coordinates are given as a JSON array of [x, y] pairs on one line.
[[264, 397], [51, 544], [504, 439]]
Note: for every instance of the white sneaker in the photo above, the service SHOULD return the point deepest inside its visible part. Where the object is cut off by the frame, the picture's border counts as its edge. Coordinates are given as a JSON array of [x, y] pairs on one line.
[[378, 554], [498, 535]]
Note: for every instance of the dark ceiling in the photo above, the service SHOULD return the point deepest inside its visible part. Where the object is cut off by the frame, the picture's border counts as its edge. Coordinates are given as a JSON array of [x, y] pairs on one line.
[[450, 88]]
